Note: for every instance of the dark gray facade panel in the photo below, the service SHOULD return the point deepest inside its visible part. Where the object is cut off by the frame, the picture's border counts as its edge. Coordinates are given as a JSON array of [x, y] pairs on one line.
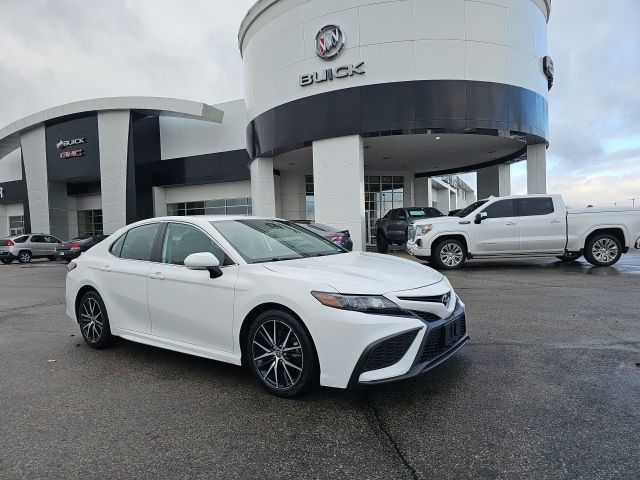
[[453, 106]]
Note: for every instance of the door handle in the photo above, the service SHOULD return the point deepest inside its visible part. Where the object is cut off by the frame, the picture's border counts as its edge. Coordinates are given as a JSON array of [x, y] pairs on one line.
[[106, 268], [156, 276], [511, 223], [556, 221]]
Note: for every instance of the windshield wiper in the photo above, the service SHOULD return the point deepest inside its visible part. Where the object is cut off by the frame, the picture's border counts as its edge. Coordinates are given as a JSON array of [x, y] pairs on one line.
[[276, 259]]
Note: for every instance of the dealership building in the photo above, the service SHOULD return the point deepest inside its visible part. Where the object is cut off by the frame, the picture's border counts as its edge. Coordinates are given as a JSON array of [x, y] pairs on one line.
[[351, 108]]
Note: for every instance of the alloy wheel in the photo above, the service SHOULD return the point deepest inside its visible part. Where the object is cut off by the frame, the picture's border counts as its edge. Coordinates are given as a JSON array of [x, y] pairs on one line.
[[605, 250], [451, 254], [91, 321], [277, 355], [24, 257]]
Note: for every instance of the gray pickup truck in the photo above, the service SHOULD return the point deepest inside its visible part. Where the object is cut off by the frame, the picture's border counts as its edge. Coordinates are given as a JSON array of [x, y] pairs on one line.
[[392, 228]]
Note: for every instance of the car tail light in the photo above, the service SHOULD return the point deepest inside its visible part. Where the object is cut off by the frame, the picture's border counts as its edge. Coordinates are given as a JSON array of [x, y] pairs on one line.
[[75, 246], [10, 243], [71, 266], [335, 238]]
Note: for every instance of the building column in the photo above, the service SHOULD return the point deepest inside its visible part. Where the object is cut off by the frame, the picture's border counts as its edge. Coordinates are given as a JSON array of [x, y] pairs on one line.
[[293, 195], [159, 202], [422, 192], [537, 168], [4, 221], [113, 132], [338, 183], [34, 156], [263, 191], [495, 180]]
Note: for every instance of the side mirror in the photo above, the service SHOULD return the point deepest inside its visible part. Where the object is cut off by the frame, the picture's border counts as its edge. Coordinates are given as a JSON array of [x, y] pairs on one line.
[[480, 216], [204, 261]]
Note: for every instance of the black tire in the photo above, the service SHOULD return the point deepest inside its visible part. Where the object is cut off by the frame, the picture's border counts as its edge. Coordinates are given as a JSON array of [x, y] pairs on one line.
[[569, 257], [449, 254], [603, 250], [94, 325], [24, 256], [382, 243], [52, 259], [295, 366], [6, 261]]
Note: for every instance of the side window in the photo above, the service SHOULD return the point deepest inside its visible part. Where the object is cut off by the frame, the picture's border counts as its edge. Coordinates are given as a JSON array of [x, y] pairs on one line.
[[116, 248], [402, 214], [51, 239], [21, 239], [37, 239], [138, 242], [387, 215], [181, 240], [501, 209], [394, 215], [536, 206]]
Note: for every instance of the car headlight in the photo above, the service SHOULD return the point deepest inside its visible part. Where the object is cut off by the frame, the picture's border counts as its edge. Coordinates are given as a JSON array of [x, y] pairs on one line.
[[423, 229], [374, 304]]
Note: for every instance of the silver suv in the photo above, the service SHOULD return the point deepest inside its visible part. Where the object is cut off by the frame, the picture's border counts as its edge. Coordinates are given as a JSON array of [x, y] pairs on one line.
[[25, 247]]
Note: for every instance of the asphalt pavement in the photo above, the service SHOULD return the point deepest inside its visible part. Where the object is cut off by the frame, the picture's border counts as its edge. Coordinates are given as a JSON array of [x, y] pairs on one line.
[[548, 387]]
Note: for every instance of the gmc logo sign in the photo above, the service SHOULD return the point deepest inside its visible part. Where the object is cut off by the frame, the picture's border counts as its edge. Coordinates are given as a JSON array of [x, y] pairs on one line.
[[72, 153]]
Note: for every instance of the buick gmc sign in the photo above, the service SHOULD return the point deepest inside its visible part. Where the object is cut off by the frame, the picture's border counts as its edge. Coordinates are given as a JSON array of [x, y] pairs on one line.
[[62, 144]]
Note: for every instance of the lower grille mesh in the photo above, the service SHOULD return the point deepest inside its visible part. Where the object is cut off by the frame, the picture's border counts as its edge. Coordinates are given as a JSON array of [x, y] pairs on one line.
[[436, 341], [389, 351]]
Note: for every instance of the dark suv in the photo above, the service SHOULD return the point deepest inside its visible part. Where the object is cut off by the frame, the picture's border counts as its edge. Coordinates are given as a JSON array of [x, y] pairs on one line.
[[392, 228]]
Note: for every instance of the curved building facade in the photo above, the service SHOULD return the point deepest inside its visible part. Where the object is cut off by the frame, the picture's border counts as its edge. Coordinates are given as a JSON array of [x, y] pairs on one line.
[[351, 108]]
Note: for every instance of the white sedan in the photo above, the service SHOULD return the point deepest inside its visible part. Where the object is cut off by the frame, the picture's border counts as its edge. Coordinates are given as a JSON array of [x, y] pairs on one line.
[[294, 307]]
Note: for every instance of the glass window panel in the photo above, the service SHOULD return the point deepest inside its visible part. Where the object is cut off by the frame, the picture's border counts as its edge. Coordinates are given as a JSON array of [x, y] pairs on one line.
[[214, 203], [239, 210], [373, 179], [139, 242], [180, 241], [215, 211], [234, 202]]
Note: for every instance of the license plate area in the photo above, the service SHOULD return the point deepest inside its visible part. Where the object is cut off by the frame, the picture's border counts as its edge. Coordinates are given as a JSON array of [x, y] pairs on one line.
[[452, 332]]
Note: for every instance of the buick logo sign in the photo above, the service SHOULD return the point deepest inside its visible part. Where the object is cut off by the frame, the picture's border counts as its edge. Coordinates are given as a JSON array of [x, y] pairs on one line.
[[329, 42], [68, 143]]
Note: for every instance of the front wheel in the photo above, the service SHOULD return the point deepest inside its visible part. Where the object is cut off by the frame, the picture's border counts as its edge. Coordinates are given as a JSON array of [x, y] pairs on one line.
[[94, 321], [382, 243], [6, 261], [24, 257], [569, 257], [449, 254], [281, 354], [603, 250]]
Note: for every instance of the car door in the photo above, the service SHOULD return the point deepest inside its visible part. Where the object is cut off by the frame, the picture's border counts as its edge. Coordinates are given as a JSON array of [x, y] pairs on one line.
[[188, 305], [542, 228], [396, 225], [37, 246], [50, 245], [123, 278], [499, 233]]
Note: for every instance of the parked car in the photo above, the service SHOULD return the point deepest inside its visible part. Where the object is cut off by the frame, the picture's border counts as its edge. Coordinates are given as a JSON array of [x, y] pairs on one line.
[[526, 225], [333, 234], [293, 307], [73, 248], [453, 213], [392, 228], [25, 247]]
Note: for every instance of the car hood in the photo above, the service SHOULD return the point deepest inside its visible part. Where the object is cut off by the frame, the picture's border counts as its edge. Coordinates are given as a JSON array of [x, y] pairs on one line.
[[439, 221], [360, 272]]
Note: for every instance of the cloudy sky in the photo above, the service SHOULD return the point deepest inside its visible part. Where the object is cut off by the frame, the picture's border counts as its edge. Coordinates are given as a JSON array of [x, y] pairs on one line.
[[58, 51]]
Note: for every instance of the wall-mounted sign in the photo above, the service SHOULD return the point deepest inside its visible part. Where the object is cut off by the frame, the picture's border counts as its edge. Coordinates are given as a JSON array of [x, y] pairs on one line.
[[547, 66], [70, 143], [72, 153], [329, 42], [330, 74]]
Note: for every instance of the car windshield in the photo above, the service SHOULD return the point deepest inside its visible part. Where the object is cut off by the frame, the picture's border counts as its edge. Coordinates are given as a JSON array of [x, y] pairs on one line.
[[467, 210], [260, 240], [424, 212]]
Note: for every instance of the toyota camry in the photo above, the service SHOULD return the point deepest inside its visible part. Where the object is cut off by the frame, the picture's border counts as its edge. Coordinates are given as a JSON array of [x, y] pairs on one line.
[[294, 307]]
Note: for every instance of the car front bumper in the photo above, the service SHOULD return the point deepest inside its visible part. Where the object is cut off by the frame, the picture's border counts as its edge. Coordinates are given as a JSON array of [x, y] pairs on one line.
[[435, 345], [417, 247]]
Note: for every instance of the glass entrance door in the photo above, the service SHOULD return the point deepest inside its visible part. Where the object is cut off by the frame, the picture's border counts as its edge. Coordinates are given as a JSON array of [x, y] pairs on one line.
[[382, 193]]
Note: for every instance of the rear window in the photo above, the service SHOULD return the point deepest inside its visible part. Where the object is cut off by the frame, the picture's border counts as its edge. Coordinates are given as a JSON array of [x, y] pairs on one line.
[[535, 206], [501, 209], [424, 212], [137, 243], [21, 239]]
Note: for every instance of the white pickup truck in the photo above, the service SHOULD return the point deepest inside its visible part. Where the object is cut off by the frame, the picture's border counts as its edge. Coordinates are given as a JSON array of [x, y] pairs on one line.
[[523, 225]]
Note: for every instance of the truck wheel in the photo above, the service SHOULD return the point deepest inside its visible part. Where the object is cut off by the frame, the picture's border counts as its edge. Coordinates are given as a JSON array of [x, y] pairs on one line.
[[382, 244], [449, 254], [603, 250], [569, 257]]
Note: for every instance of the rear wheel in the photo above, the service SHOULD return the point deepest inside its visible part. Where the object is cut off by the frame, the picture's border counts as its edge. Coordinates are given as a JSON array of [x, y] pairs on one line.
[[24, 256], [94, 321], [281, 354], [603, 250], [449, 254], [382, 243], [569, 257], [52, 259]]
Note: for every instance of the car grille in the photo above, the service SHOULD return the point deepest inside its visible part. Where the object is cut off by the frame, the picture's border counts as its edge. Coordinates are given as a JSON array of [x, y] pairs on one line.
[[426, 316], [389, 351], [436, 343]]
